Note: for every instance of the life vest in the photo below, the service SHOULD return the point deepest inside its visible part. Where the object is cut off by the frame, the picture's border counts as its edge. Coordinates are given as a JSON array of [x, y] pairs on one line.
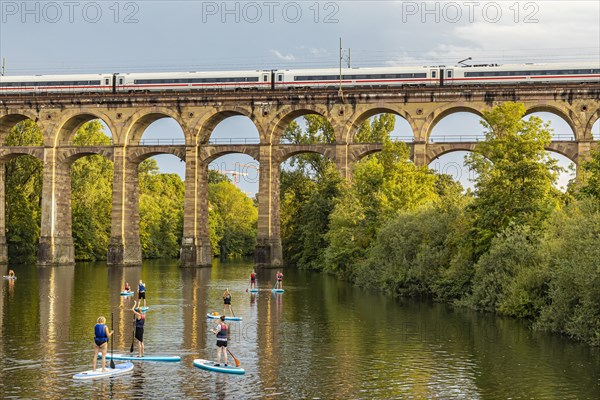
[[139, 323], [222, 334], [253, 276], [100, 333], [141, 288]]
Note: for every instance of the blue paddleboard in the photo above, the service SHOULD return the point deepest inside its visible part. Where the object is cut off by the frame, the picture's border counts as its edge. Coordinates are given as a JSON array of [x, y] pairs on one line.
[[127, 293], [210, 366], [122, 368], [277, 290], [253, 290], [144, 309], [145, 358], [226, 318]]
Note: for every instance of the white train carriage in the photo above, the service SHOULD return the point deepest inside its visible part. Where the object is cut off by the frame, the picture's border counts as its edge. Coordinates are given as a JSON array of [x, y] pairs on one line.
[[524, 73], [356, 77], [56, 84], [186, 81]]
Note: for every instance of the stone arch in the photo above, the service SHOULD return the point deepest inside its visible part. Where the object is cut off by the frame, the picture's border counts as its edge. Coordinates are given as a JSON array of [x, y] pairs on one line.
[[140, 154], [562, 112], [568, 150], [353, 124], [71, 155], [8, 121], [72, 121], [203, 129], [211, 153], [139, 121], [440, 113], [592, 123], [283, 155], [285, 116], [8, 154]]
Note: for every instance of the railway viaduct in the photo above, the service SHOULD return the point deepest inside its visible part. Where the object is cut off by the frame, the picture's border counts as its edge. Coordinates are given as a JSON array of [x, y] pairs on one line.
[[198, 113]]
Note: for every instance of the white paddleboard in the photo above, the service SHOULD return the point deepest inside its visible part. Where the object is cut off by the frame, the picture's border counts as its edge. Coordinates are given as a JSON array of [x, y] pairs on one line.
[[277, 290], [133, 357], [210, 366], [121, 368], [126, 293], [226, 318], [253, 290]]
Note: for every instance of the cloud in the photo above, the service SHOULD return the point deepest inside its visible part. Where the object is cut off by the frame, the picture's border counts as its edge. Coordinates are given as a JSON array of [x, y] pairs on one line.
[[287, 57]]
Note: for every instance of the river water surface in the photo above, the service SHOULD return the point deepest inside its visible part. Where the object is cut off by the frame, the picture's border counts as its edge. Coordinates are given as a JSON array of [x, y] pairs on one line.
[[322, 338]]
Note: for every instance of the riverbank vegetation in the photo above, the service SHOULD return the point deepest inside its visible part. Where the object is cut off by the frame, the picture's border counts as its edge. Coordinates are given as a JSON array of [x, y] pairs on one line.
[[514, 245]]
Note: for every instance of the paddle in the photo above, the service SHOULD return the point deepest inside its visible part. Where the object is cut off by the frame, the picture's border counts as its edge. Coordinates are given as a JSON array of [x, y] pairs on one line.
[[231, 308], [132, 336], [237, 362], [112, 324]]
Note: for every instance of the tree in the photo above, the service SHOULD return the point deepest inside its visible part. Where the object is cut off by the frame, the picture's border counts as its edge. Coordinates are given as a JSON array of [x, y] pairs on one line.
[[91, 194], [23, 188], [515, 175]]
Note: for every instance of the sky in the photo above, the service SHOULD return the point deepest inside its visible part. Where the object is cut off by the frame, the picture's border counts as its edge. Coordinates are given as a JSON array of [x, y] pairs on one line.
[[50, 37]]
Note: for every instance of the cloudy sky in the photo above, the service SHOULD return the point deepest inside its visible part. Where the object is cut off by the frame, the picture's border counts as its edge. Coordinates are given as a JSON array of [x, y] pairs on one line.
[[42, 37]]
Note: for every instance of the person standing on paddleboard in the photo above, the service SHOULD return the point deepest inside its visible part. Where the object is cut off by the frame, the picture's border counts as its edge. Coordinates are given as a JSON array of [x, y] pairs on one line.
[[279, 280], [227, 301], [253, 280], [140, 319], [101, 336], [142, 293], [221, 333]]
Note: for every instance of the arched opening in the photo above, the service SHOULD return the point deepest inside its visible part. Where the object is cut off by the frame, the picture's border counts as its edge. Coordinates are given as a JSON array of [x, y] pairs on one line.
[[23, 177], [232, 205], [561, 130], [461, 126], [91, 194], [567, 173], [453, 164], [165, 131], [309, 183], [374, 128], [235, 129], [596, 130], [308, 128]]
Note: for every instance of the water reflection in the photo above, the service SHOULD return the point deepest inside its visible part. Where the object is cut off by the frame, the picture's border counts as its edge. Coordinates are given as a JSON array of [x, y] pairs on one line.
[[321, 338]]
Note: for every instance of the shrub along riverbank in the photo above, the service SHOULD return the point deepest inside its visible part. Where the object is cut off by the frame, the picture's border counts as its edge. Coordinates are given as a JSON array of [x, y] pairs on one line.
[[514, 245]]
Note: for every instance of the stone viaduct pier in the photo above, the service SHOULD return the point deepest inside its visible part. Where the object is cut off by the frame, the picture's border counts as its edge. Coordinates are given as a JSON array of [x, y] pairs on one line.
[[127, 115]]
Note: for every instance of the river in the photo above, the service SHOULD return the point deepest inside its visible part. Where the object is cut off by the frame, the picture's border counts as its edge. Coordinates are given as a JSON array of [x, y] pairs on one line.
[[322, 338]]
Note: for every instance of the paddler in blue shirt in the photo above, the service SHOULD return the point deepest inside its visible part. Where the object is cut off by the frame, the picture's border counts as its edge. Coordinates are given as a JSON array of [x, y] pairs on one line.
[[141, 293], [101, 336]]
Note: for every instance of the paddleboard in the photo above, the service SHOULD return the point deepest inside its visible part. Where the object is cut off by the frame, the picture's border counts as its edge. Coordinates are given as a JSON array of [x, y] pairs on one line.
[[121, 368], [144, 309], [145, 358], [226, 318], [126, 293], [9, 277], [277, 290], [210, 366], [253, 290]]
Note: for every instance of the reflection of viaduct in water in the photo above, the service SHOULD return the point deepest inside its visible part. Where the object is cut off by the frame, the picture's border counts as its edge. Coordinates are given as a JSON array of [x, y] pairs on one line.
[[128, 115]]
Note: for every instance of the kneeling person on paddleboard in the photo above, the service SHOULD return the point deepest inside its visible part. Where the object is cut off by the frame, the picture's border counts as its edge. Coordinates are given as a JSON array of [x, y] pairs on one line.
[[221, 333], [140, 319], [101, 336]]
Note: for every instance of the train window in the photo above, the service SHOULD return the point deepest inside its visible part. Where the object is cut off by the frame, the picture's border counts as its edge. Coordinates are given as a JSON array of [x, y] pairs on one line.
[[449, 74], [106, 81], [264, 78], [434, 74], [120, 81]]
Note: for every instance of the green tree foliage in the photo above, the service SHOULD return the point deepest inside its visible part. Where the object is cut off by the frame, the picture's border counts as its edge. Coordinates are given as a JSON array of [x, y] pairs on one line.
[[573, 306], [515, 174], [383, 185], [91, 196], [23, 190], [236, 220], [161, 211]]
